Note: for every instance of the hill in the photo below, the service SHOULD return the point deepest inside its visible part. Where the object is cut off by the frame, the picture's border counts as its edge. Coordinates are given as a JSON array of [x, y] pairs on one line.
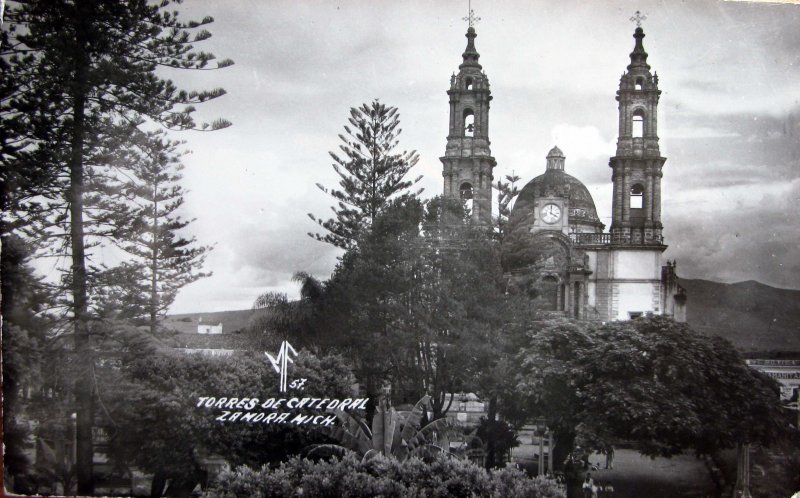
[[754, 316], [232, 321]]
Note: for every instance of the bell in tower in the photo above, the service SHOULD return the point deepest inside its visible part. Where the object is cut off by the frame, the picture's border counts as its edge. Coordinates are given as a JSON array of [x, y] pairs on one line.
[[636, 216], [468, 162]]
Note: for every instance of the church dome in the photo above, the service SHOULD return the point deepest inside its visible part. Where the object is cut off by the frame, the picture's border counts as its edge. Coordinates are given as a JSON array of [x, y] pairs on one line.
[[555, 152], [557, 183]]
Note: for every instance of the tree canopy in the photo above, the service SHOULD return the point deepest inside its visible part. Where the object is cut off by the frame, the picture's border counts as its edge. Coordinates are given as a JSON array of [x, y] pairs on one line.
[[154, 423], [371, 173], [419, 306], [650, 381], [162, 260], [82, 79]]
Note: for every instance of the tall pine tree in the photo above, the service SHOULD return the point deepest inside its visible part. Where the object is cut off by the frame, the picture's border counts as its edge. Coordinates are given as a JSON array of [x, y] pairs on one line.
[[164, 260], [371, 173], [93, 72], [507, 191]]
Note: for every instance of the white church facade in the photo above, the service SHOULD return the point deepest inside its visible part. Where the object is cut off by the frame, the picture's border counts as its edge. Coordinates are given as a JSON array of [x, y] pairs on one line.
[[555, 245]]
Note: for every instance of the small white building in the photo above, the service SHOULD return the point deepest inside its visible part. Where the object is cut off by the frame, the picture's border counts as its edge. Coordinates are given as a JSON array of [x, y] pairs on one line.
[[207, 328]]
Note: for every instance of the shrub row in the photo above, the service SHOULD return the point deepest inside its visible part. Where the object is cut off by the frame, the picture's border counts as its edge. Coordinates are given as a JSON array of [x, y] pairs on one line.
[[380, 477]]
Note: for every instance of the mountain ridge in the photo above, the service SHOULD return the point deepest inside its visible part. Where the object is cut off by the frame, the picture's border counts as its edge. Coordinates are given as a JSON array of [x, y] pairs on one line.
[[756, 317], [752, 315]]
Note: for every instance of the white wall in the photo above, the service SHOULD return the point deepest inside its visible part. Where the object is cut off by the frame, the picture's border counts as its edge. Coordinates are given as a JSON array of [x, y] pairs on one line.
[[209, 329], [635, 297], [637, 264]]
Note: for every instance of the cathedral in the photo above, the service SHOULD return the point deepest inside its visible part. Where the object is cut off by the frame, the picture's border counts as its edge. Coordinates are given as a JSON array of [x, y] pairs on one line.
[[555, 242]]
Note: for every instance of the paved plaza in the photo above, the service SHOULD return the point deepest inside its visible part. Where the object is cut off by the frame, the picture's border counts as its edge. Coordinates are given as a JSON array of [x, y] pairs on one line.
[[635, 476]]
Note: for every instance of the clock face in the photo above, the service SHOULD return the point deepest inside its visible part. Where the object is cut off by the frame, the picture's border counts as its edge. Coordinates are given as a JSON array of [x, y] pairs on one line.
[[551, 213]]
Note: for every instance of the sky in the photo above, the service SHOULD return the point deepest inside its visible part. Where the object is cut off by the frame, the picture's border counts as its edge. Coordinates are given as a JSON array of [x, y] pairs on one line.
[[729, 121]]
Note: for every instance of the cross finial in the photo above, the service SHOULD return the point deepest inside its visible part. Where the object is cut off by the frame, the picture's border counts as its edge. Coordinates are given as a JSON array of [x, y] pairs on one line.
[[472, 19], [638, 18]]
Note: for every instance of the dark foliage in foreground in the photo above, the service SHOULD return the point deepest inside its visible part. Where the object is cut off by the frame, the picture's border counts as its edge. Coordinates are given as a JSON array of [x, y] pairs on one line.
[[353, 477]]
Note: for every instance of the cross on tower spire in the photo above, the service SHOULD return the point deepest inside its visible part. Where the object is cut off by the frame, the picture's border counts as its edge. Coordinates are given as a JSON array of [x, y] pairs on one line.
[[637, 18], [472, 19]]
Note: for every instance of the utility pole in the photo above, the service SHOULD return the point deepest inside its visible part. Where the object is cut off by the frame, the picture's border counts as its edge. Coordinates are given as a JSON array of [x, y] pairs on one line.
[[742, 488]]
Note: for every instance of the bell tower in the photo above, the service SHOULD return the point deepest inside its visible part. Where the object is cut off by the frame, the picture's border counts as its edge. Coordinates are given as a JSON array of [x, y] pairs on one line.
[[467, 162], [636, 167]]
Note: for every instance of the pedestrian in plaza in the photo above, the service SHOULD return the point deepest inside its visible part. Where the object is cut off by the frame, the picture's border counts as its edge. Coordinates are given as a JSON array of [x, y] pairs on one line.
[[608, 490], [589, 489], [610, 457]]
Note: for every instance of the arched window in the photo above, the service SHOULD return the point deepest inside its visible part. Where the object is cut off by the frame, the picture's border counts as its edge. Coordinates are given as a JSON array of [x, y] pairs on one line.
[[637, 196], [637, 125], [467, 194], [639, 84], [466, 191], [469, 123], [468, 84], [549, 293]]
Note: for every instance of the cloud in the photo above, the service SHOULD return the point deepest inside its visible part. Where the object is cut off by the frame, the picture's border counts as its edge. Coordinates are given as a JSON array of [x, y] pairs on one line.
[[289, 250], [743, 149], [256, 259], [741, 239], [582, 142], [554, 67]]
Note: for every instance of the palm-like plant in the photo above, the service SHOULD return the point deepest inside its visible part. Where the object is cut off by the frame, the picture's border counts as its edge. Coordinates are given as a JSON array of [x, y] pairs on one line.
[[392, 434]]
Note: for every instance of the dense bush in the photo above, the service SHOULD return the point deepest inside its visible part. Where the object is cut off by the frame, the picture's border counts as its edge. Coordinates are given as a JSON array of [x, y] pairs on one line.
[[351, 477]]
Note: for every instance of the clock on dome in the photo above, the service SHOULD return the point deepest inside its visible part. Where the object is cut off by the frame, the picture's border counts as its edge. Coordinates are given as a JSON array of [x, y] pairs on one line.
[[551, 213]]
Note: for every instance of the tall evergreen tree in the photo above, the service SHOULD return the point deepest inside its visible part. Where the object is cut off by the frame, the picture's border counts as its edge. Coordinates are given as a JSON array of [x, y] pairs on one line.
[[371, 173], [24, 297], [163, 259], [92, 68], [27, 140], [507, 191], [417, 305]]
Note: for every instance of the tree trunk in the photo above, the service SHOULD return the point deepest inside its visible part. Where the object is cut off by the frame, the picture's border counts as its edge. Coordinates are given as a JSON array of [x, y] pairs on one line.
[[158, 485], [154, 265], [717, 468], [182, 486], [562, 447], [83, 348], [562, 459], [372, 397], [491, 458], [574, 474]]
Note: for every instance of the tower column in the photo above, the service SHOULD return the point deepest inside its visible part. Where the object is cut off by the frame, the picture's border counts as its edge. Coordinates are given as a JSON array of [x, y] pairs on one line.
[[467, 157], [626, 123], [626, 198], [617, 212], [453, 120], [638, 159], [448, 183], [657, 197], [653, 128], [478, 118], [648, 195]]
